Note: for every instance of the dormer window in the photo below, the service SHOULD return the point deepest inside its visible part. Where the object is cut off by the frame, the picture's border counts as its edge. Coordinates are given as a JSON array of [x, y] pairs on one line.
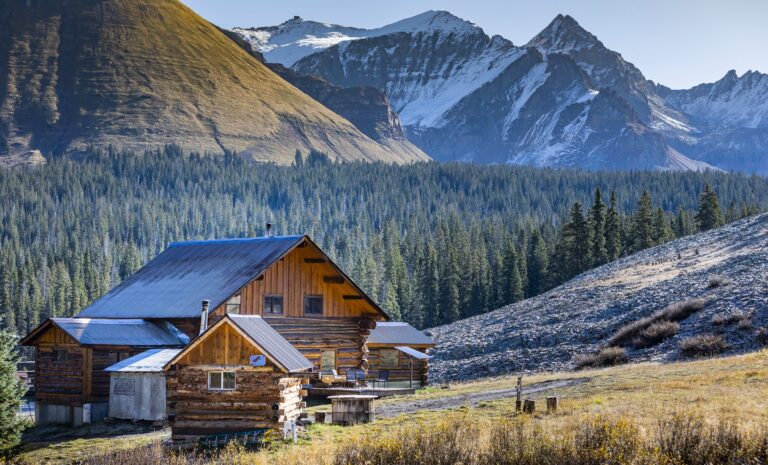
[[233, 305]]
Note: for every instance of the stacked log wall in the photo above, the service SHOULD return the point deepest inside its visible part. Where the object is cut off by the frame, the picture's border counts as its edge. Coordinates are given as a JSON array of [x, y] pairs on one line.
[[403, 371]]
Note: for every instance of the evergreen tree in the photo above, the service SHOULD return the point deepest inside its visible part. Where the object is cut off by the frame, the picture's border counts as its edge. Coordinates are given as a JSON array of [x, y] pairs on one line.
[[577, 247], [709, 215], [538, 265], [642, 224], [11, 392], [661, 230], [613, 231], [597, 220]]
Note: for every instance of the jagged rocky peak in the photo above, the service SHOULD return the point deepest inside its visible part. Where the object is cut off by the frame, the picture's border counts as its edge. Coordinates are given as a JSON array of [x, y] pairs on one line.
[[563, 34]]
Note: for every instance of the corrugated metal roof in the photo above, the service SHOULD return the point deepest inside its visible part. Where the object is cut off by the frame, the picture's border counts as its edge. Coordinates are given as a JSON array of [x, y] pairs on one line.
[[151, 361], [119, 332], [272, 342], [176, 281], [398, 333], [413, 353]]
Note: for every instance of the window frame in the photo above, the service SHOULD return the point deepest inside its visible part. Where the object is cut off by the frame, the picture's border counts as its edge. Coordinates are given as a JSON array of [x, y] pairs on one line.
[[335, 353], [274, 296], [315, 297], [381, 359], [228, 305], [60, 355], [221, 374]]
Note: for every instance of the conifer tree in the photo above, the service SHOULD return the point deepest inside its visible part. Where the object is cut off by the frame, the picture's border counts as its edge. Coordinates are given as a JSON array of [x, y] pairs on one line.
[[538, 265], [613, 231], [577, 247], [709, 215], [661, 230], [642, 224], [11, 392], [597, 230]]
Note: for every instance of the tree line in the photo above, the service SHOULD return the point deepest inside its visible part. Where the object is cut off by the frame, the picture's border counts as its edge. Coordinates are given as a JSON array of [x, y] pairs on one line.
[[430, 242]]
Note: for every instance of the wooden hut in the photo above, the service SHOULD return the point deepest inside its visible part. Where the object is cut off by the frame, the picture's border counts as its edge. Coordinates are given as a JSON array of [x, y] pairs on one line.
[[238, 376], [399, 349], [71, 386], [137, 386]]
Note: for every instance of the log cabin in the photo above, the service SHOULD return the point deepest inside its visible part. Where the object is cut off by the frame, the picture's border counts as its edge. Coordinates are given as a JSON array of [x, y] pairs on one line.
[[399, 350], [71, 355], [238, 376], [287, 281]]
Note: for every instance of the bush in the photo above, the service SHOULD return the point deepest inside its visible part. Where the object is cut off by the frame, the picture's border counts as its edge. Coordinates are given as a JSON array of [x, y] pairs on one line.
[[717, 280], [725, 319], [656, 333], [704, 345], [762, 336], [673, 312], [11, 392], [607, 356]]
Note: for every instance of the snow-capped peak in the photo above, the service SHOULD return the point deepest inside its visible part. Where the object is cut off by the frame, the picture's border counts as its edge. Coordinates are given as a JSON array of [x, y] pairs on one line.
[[563, 34], [429, 22]]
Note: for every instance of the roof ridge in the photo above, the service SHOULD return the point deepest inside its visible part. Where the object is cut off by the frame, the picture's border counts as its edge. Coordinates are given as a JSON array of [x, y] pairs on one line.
[[234, 240]]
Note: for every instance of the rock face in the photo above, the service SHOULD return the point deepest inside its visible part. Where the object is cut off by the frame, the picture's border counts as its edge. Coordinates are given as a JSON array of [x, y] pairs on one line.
[[462, 95], [139, 74], [30, 158], [546, 332]]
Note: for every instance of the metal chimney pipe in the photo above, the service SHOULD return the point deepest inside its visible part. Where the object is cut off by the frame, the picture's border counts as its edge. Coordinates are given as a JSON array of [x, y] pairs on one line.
[[204, 316], [269, 230]]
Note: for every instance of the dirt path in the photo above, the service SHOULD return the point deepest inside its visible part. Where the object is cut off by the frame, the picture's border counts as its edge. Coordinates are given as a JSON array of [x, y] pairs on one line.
[[442, 403]]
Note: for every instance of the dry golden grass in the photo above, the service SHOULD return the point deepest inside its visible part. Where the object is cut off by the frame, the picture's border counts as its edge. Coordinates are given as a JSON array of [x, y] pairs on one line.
[[719, 392]]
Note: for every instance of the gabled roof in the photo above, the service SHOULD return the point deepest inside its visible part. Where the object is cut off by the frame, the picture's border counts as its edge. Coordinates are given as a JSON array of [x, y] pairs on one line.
[[115, 332], [398, 333], [274, 346], [150, 361], [176, 281]]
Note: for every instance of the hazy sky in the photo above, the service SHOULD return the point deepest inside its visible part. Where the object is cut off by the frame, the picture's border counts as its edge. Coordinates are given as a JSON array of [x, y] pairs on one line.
[[678, 43]]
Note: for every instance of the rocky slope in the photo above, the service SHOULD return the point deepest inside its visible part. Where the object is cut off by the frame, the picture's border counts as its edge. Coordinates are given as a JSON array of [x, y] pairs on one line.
[[546, 332], [138, 74], [462, 95]]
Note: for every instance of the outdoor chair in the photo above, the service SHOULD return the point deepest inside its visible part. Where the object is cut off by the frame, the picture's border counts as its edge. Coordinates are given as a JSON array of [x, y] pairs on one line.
[[360, 378], [351, 375], [382, 377]]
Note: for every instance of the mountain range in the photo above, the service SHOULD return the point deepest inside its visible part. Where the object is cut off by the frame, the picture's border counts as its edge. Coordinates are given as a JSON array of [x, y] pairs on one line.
[[563, 99], [141, 74]]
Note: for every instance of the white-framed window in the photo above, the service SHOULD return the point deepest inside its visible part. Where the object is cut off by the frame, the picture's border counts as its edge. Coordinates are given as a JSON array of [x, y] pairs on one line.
[[233, 305], [221, 381]]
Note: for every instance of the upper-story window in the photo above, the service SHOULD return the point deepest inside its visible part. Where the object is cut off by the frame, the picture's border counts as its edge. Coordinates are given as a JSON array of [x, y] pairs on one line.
[[273, 304], [313, 305], [233, 304]]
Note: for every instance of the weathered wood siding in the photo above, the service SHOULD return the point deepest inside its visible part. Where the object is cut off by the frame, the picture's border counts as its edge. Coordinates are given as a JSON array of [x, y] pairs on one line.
[[313, 336], [137, 396], [403, 370], [225, 347], [59, 382], [293, 278]]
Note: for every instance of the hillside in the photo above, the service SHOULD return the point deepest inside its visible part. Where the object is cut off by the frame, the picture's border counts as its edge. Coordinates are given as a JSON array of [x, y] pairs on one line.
[[548, 331], [139, 74]]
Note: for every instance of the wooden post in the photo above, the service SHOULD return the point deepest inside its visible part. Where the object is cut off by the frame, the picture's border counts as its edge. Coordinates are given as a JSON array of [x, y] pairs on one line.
[[519, 395], [551, 404], [529, 406]]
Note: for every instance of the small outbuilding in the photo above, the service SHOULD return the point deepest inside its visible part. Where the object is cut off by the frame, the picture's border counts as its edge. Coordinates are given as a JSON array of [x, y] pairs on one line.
[[397, 352], [238, 376], [137, 386]]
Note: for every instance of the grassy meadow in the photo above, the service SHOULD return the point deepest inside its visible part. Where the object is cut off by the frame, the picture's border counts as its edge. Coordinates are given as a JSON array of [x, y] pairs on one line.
[[698, 412]]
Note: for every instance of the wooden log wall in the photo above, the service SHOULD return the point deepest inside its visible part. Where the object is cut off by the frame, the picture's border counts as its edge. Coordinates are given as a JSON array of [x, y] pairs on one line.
[[263, 398], [313, 336], [59, 382], [402, 372]]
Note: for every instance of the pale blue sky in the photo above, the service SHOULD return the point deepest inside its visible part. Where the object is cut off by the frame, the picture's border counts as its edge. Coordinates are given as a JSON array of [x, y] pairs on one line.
[[678, 43]]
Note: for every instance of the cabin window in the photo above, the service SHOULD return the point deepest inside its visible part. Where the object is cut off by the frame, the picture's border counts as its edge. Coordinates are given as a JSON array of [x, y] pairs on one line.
[[273, 304], [389, 359], [233, 304], [328, 360], [313, 305], [60, 355], [221, 381]]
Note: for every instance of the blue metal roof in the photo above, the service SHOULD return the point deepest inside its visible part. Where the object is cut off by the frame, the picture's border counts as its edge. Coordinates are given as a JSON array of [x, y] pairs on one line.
[[176, 281], [413, 353], [122, 332], [151, 361], [398, 333], [275, 345]]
